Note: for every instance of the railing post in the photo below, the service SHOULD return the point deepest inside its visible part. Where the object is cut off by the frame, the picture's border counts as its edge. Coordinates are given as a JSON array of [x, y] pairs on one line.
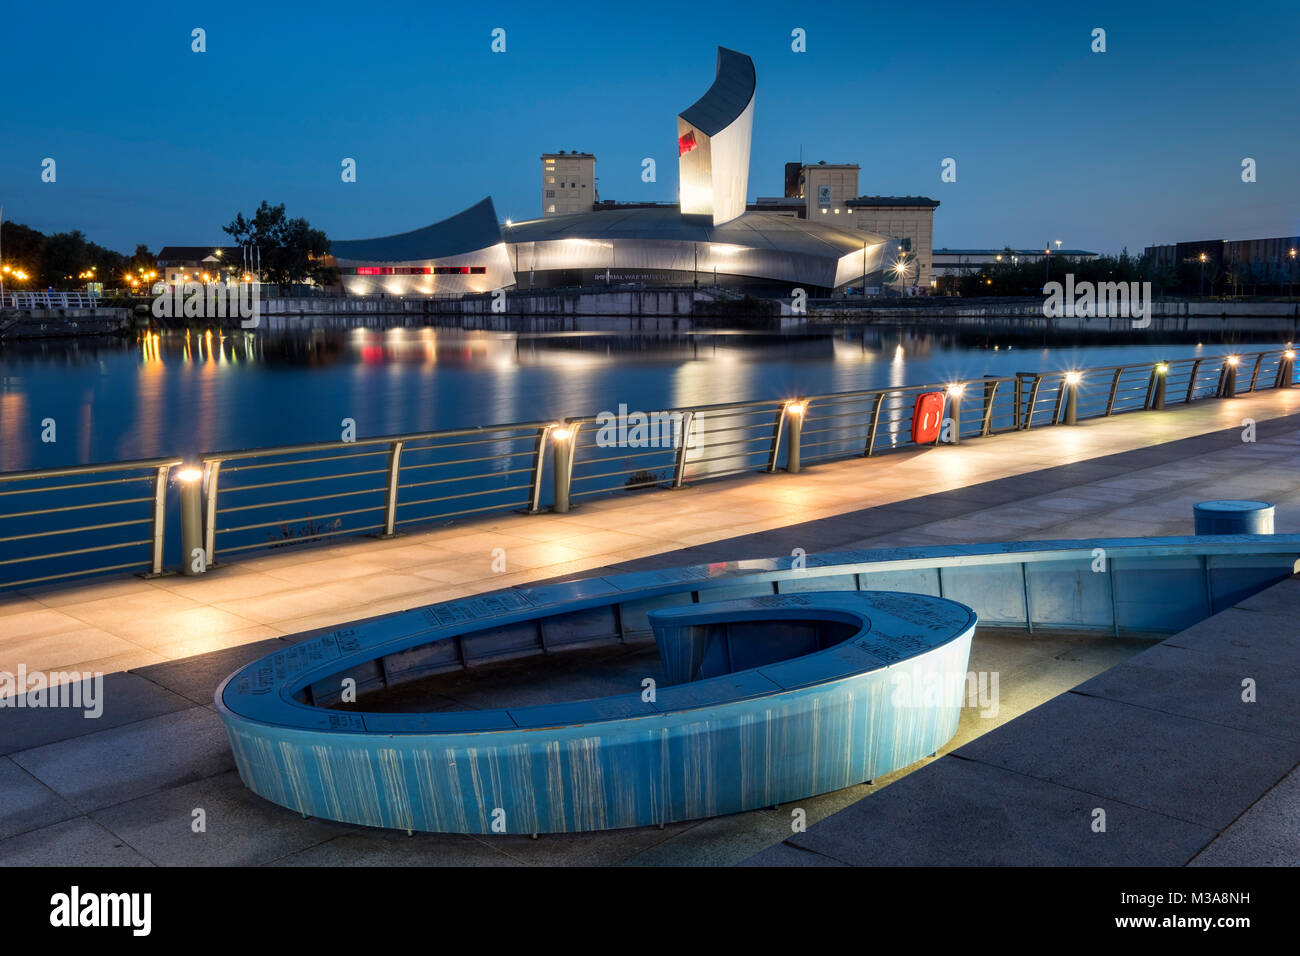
[[564, 438], [158, 520], [990, 392], [1020, 399], [539, 463], [774, 450], [874, 425], [684, 439], [1254, 375], [1191, 382], [390, 499], [211, 477], [1114, 390], [1033, 402]]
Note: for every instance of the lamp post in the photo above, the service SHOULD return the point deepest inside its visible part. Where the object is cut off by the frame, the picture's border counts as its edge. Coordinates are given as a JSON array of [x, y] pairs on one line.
[[1203, 260]]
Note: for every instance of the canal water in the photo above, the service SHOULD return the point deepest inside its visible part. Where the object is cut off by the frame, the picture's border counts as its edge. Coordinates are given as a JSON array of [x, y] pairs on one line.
[[183, 394]]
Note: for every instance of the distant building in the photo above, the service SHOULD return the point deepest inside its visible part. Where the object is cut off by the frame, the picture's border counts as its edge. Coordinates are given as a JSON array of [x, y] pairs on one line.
[[959, 262], [193, 263], [709, 239], [910, 219], [568, 183], [1238, 266], [826, 186]]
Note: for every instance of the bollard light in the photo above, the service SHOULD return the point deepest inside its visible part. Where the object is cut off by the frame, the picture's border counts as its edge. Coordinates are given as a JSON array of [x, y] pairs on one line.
[[1070, 412], [955, 391], [562, 465], [1158, 380], [194, 558], [794, 412]]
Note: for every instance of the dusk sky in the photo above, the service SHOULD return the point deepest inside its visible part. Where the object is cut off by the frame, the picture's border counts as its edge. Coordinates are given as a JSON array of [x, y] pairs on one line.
[[1141, 144]]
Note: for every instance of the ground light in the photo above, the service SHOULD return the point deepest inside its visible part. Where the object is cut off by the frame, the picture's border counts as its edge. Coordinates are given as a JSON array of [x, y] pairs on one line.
[[562, 462], [794, 412], [193, 557]]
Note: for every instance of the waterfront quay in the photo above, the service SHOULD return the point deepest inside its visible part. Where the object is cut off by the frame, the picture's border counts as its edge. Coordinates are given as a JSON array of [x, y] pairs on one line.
[[121, 789]]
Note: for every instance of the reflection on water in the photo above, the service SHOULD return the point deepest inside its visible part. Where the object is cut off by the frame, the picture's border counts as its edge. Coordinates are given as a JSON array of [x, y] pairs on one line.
[[184, 393]]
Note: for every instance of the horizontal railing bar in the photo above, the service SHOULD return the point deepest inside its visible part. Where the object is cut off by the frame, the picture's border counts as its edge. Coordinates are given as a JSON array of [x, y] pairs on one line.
[[138, 464], [74, 574], [454, 478], [62, 508], [295, 519], [65, 554], [230, 509], [92, 527], [225, 456]]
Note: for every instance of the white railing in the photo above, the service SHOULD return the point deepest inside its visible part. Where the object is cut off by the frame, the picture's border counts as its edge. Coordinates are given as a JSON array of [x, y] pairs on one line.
[[50, 300]]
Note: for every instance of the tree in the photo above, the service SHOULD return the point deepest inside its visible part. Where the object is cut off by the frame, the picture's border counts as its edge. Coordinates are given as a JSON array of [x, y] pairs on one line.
[[66, 256], [290, 249]]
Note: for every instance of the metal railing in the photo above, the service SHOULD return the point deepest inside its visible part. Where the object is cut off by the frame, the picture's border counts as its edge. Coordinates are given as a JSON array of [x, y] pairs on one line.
[[49, 300], [275, 497], [66, 501]]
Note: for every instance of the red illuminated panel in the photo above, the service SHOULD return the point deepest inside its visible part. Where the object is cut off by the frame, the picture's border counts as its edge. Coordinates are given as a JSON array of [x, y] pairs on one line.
[[369, 271], [686, 143]]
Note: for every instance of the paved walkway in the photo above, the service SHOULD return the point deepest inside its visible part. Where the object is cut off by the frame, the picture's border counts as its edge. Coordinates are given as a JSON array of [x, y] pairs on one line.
[[128, 622], [1158, 761], [123, 788]]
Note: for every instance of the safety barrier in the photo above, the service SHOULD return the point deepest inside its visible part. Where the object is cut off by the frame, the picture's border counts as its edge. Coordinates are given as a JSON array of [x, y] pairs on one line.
[[275, 497]]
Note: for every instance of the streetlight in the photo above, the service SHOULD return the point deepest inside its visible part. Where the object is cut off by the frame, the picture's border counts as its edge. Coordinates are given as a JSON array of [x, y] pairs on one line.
[[1204, 257]]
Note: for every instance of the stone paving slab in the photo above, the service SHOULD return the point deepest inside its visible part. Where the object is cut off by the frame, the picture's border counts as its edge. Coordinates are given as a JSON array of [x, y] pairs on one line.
[[957, 812], [26, 803], [126, 698], [1189, 683], [77, 842], [99, 770], [1190, 769], [1268, 834], [239, 828]]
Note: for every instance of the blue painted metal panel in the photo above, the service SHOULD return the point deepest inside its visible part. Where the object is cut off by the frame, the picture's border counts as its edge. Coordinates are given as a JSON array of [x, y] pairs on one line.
[[995, 591], [775, 733], [1070, 594], [1159, 597]]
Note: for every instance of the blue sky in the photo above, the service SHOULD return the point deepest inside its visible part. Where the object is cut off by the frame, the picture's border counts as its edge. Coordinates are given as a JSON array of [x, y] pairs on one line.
[[1137, 145]]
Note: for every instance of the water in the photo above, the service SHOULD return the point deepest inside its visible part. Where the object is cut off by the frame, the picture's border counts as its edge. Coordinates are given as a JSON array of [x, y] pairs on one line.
[[179, 394]]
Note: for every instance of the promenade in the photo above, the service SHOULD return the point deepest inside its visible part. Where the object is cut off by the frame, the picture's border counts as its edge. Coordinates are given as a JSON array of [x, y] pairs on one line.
[[121, 789]]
